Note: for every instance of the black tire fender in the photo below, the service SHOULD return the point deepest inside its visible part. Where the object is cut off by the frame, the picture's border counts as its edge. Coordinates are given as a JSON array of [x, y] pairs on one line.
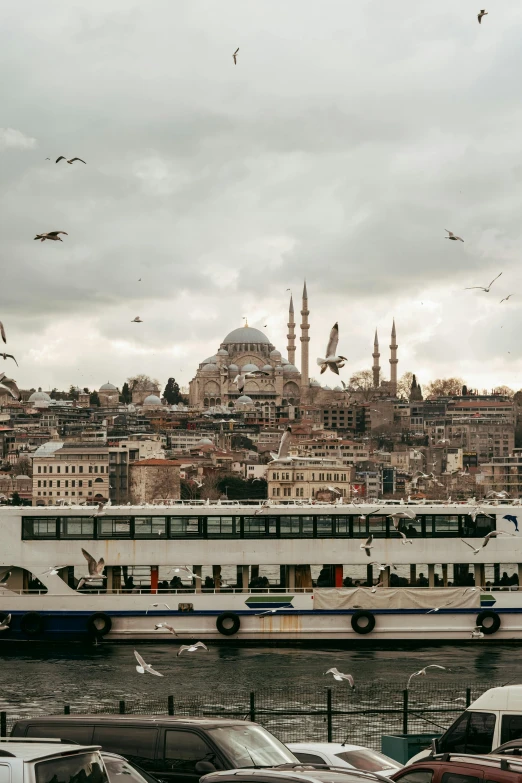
[[32, 624], [99, 624], [366, 626], [488, 615], [227, 617]]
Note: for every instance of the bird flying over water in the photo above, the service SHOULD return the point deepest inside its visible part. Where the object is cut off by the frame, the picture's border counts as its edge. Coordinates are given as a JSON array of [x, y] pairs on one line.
[[235, 56], [62, 157], [10, 385], [331, 360], [339, 676], [482, 13], [4, 625], [95, 569], [486, 290], [368, 545], [143, 667], [167, 627], [51, 235], [423, 672], [9, 356], [274, 610], [192, 648], [453, 236]]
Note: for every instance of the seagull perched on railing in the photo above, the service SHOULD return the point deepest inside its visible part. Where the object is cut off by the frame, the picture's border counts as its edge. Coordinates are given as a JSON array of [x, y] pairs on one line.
[[423, 672], [143, 667], [339, 676]]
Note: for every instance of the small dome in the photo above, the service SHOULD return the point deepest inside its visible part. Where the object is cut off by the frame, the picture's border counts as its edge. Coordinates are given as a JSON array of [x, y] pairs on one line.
[[210, 360], [327, 388], [289, 369], [246, 334], [314, 383], [108, 387], [48, 448], [268, 368], [284, 361], [204, 442], [233, 369], [24, 478], [244, 400], [275, 354], [39, 396], [211, 367], [249, 368], [337, 388], [152, 400], [222, 352]]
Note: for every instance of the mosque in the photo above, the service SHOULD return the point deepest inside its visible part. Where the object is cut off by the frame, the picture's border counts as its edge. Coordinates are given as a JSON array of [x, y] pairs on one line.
[[247, 349]]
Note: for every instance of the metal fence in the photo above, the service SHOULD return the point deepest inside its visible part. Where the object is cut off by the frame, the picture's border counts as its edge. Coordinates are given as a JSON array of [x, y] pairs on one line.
[[334, 714]]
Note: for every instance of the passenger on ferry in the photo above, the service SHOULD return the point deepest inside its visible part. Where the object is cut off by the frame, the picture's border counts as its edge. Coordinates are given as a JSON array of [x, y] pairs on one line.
[[422, 581]]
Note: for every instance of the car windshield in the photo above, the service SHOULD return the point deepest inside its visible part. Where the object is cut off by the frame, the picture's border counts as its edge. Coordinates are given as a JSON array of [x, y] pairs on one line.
[[327, 776], [366, 759], [248, 745], [77, 768], [116, 767]]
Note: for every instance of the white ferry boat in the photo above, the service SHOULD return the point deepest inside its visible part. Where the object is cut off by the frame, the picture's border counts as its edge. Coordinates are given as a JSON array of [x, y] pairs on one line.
[[275, 573]]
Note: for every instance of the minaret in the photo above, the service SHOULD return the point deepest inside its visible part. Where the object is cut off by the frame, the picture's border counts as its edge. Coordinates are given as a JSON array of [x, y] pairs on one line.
[[376, 367], [305, 339], [393, 361], [291, 333]]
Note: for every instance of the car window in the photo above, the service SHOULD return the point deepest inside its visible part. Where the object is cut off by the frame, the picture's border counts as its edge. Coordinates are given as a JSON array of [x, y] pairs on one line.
[[5, 773], [417, 776], [183, 750], [454, 777], [66, 731], [366, 759], [454, 740], [85, 767], [120, 767], [480, 732], [135, 742], [309, 758], [511, 728]]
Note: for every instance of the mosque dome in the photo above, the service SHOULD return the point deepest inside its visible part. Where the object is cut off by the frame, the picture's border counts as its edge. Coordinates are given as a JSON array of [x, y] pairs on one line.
[[204, 442], [233, 368], [246, 334], [152, 400], [327, 388], [244, 400], [210, 360], [290, 369], [314, 383], [108, 387], [275, 354], [249, 368], [268, 368], [222, 352], [337, 388], [39, 396], [284, 361], [210, 367]]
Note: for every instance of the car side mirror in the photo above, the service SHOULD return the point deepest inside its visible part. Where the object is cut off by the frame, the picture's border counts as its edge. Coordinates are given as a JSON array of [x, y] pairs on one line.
[[434, 746], [204, 767]]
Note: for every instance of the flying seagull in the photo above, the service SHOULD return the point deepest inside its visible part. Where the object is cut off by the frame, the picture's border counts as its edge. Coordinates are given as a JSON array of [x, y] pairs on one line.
[[235, 56], [156, 606], [192, 647], [505, 299], [470, 288], [483, 12], [339, 676], [10, 385], [404, 538], [51, 235], [9, 356], [239, 380], [52, 570], [453, 236], [284, 445], [145, 667], [95, 569], [331, 360], [62, 157], [137, 320], [100, 511], [368, 545], [186, 569], [2, 332], [167, 627], [423, 672], [486, 540], [5, 578], [4, 625], [273, 611]]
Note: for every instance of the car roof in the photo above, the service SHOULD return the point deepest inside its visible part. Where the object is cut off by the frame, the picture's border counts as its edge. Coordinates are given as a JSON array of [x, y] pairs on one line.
[[490, 761], [136, 719], [516, 743], [303, 773], [332, 747], [32, 751]]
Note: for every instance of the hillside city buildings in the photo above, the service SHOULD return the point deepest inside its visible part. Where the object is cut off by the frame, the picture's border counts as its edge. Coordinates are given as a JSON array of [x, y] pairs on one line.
[[375, 438]]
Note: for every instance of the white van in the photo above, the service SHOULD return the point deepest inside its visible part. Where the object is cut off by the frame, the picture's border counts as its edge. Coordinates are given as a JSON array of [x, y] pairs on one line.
[[494, 718]]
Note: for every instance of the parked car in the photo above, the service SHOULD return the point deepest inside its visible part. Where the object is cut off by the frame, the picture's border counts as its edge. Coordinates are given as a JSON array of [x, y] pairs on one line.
[[492, 719], [176, 750], [296, 773], [117, 766], [461, 768], [48, 761], [513, 748], [350, 756]]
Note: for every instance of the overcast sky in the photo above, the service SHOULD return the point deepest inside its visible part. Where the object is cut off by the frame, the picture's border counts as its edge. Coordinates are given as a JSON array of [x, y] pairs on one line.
[[347, 138]]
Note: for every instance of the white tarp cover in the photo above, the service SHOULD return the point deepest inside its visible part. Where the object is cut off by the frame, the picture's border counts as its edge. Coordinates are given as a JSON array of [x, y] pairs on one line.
[[397, 598]]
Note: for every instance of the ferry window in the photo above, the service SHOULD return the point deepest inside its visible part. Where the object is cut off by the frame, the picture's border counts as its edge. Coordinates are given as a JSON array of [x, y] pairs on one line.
[[181, 527], [341, 526], [511, 728], [478, 528], [222, 526], [33, 527], [360, 526], [324, 526], [299, 527], [117, 527], [445, 525], [76, 527], [378, 525], [150, 527], [258, 527]]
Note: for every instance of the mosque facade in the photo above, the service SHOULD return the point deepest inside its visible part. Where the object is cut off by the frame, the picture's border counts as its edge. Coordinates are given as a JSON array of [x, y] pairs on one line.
[[247, 349]]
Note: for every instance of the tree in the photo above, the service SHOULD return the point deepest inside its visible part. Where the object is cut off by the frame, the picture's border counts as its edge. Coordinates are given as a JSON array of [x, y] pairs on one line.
[[404, 385], [16, 500], [517, 397], [172, 393], [505, 391], [73, 393], [23, 467], [362, 382], [142, 383], [445, 387], [94, 399], [125, 395]]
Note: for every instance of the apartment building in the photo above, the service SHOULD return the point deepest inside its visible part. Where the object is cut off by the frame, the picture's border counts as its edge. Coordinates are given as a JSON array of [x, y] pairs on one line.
[[78, 473], [303, 479], [348, 452], [503, 474]]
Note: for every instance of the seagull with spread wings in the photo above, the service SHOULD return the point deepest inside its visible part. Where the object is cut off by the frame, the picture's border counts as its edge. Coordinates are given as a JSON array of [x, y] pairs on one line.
[[6, 356], [453, 236], [486, 540], [284, 445], [62, 157], [192, 648], [483, 12], [506, 298], [95, 569], [423, 672], [332, 361], [234, 56], [51, 235], [10, 385], [143, 667], [367, 545], [339, 676], [481, 287], [4, 624]]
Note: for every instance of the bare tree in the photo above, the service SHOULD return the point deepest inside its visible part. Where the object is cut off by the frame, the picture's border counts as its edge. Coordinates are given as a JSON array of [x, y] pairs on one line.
[[504, 390], [362, 383], [445, 387], [404, 385], [142, 382], [23, 467]]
